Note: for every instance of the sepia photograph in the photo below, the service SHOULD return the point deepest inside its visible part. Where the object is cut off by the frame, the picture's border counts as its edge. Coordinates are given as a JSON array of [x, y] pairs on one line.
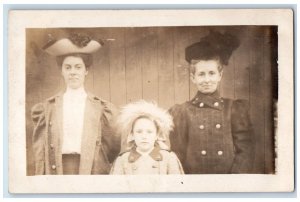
[[145, 106], [210, 108]]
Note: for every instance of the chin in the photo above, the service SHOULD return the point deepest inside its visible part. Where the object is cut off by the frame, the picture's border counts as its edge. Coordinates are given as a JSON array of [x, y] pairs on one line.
[[144, 149], [206, 92], [74, 86]]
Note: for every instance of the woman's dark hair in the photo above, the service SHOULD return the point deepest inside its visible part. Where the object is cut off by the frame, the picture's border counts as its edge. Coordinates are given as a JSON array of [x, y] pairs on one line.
[[87, 59]]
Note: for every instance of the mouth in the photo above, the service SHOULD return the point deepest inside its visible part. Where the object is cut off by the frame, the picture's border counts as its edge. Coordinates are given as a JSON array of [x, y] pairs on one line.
[[206, 86], [73, 79]]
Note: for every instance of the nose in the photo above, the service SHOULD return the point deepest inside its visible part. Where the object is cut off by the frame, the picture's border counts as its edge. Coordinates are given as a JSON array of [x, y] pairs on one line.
[[144, 136], [72, 71], [206, 78]]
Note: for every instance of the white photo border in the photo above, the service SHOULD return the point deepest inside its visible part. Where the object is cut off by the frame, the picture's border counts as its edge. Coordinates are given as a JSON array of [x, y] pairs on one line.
[[283, 180]]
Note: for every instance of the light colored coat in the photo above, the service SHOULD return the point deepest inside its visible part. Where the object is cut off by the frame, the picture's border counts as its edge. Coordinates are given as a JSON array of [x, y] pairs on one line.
[[99, 145], [159, 161]]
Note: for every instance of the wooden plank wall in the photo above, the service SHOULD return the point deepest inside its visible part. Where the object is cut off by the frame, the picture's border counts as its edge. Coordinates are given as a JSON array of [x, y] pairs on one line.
[[149, 63]]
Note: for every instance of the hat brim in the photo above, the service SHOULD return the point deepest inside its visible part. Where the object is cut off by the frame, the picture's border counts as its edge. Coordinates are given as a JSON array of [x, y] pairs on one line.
[[65, 47]]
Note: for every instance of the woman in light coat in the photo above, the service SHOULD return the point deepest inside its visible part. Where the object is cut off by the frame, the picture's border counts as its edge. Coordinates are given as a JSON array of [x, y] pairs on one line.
[[73, 130]]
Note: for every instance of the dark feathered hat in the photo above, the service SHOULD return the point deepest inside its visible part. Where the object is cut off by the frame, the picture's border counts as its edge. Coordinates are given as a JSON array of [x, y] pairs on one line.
[[214, 45]]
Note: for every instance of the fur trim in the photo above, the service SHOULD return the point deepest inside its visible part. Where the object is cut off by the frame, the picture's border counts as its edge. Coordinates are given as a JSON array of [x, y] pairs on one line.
[[132, 111]]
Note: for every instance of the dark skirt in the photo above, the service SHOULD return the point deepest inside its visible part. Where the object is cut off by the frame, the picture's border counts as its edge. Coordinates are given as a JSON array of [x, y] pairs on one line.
[[71, 164]]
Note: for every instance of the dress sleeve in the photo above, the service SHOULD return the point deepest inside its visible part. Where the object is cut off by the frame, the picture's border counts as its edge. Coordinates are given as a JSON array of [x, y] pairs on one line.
[[179, 135], [243, 137], [38, 137], [174, 165], [110, 138]]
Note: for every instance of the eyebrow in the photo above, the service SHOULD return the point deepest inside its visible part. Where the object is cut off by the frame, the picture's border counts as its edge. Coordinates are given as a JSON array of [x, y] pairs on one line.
[[75, 64]]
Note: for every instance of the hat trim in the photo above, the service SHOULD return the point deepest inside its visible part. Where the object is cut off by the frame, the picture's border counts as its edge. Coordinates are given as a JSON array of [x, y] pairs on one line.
[[65, 47]]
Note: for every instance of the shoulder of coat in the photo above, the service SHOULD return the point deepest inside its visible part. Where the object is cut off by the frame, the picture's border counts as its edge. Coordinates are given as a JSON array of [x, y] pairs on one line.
[[165, 151], [124, 153], [51, 99], [54, 97], [94, 97], [99, 100], [179, 107]]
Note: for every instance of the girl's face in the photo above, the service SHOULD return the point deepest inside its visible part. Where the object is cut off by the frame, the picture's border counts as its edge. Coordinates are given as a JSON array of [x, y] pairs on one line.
[[207, 76], [144, 134], [74, 72]]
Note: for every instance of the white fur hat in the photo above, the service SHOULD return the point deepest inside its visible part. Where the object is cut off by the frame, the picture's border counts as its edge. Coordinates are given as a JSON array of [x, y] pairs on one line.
[[132, 111]]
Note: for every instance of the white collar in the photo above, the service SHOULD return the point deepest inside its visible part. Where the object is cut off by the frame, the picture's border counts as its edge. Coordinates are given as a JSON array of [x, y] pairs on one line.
[[79, 92]]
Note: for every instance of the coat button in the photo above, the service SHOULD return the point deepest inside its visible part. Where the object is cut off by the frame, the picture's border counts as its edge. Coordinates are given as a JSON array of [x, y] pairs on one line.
[[50, 123], [51, 146], [53, 167], [218, 126], [201, 127], [201, 104], [216, 104], [220, 153], [203, 152]]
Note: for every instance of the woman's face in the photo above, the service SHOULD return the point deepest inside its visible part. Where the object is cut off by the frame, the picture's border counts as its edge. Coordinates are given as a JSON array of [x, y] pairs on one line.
[[74, 72], [144, 134], [207, 76]]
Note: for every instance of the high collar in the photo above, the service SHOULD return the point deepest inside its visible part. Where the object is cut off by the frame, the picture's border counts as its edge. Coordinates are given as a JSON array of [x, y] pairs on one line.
[[75, 92], [154, 154], [213, 100]]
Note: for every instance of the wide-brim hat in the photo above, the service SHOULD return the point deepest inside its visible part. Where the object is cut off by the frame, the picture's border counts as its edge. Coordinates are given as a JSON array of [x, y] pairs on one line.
[[76, 43]]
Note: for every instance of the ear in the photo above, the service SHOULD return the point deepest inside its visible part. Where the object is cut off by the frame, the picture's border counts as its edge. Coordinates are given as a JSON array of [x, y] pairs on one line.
[[192, 77], [221, 74]]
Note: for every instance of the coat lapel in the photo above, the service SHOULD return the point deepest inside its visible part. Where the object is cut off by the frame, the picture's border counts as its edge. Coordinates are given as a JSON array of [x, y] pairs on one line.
[[93, 111], [58, 137]]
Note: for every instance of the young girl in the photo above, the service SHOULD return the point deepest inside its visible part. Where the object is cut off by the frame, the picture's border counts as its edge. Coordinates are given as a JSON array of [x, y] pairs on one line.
[[145, 130]]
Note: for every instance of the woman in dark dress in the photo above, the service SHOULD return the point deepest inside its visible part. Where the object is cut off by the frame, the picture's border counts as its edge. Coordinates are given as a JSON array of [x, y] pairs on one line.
[[212, 135]]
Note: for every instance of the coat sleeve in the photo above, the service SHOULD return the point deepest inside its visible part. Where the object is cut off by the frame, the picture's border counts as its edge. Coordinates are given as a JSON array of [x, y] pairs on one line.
[[174, 165], [117, 168], [38, 137], [179, 135], [243, 137], [110, 138]]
